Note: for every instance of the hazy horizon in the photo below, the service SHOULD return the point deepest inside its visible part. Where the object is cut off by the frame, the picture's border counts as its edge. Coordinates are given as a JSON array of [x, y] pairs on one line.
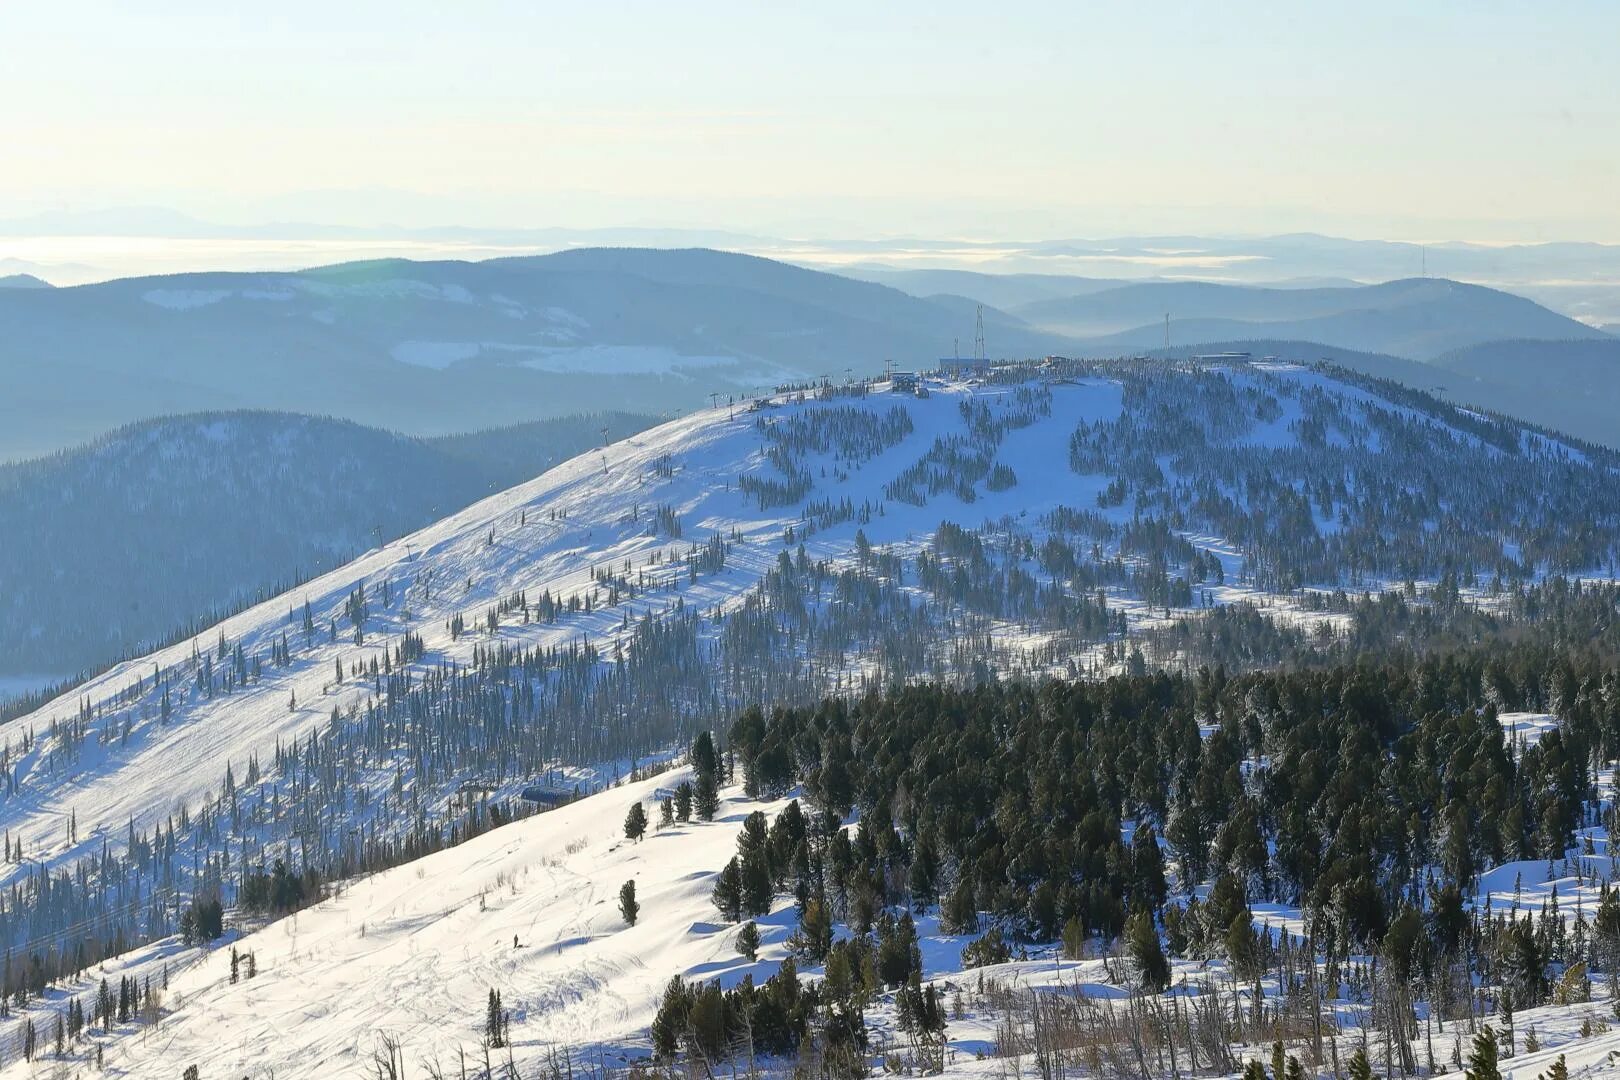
[[1050, 121]]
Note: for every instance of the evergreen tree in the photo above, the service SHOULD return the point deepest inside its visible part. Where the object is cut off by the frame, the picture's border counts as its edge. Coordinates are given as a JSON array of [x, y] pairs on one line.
[[706, 770], [627, 900], [1242, 947], [1482, 1063], [757, 892], [495, 1021], [1142, 942], [1359, 1067], [635, 822], [1074, 938], [706, 797], [959, 913], [814, 937], [728, 891], [748, 940]]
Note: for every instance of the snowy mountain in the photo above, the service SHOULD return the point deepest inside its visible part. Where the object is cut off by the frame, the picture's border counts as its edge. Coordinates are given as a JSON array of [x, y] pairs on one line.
[[176, 521], [1064, 519], [429, 348]]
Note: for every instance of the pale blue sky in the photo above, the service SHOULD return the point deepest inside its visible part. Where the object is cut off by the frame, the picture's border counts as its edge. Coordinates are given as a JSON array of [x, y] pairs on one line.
[[1423, 121]]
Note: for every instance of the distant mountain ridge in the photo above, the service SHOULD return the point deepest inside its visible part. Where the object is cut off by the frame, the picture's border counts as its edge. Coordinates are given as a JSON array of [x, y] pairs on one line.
[[435, 347], [1419, 318]]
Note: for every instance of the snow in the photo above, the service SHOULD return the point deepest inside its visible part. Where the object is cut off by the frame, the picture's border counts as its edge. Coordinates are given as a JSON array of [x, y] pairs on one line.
[[184, 299], [1526, 728], [563, 359], [531, 910], [618, 360], [188, 299], [413, 952], [437, 355]]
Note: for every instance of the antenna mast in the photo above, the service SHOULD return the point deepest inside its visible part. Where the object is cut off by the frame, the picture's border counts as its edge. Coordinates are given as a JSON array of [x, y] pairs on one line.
[[978, 338]]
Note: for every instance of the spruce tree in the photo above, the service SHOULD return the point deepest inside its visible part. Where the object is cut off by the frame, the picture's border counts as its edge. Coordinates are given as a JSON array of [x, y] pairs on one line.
[[706, 767], [728, 891], [959, 913], [1359, 1067], [494, 1020], [748, 940], [1142, 940], [1482, 1063], [1242, 949], [635, 822], [627, 900], [757, 892], [706, 797]]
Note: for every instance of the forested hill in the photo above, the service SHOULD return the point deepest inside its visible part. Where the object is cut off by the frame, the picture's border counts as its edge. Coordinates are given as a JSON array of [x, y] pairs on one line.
[[169, 524], [1391, 864], [430, 348], [1068, 519]]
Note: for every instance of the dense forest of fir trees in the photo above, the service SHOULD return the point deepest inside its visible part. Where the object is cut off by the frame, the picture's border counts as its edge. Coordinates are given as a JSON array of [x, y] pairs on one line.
[[1334, 489], [1369, 795]]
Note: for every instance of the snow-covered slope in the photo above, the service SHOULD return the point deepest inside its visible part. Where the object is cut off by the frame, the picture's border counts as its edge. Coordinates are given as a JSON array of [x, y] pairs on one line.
[[617, 537], [402, 963], [806, 545], [173, 519], [612, 607], [549, 534], [530, 910]]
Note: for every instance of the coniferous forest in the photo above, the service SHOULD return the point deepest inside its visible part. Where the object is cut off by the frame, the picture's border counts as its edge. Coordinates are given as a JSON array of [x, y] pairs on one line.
[[1144, 818]]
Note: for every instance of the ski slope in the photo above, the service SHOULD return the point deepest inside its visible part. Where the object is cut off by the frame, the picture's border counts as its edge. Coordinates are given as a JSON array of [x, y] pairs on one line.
[[134, 769], [547, 534], [407, 958], [530, 910], [437, 933]]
